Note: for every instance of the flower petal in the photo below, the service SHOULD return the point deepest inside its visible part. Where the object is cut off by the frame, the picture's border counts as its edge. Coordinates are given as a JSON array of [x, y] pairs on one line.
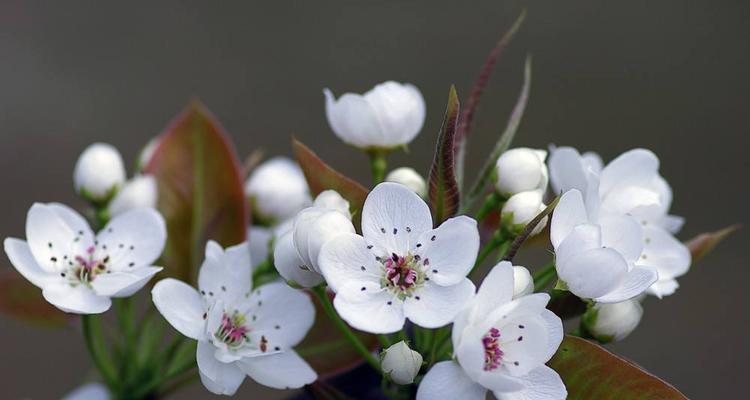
[[181, 305], [394, 217], [226, 274], [635, 167], [259, 239], [451, 249], [496, 289], [20, 256], [283, 314], [51, 238], [624, 234], [346, 259], [542, 383], [566, 170], [633, 283], [217, 377], [447, 381], [555, 333], [285, 370], [662, 251], [433, 306], [290, 266], [75, 299], [369, 308], [353, 120], [569, 213], [583, 237], [399, 109], [123, 283], [593, 273], [132, 239]]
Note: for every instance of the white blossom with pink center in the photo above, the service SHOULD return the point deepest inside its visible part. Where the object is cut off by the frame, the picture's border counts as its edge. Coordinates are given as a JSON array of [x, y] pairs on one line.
[[501, 344], [78, 271], [240, 331], [400, 267]]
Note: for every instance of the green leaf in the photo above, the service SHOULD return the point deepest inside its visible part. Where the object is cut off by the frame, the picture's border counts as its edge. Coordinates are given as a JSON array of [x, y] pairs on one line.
[[23, 301], [444, 193], [591, 372], [505, 140], [704, 243], [320, 176], [200, 189], [472, 102]]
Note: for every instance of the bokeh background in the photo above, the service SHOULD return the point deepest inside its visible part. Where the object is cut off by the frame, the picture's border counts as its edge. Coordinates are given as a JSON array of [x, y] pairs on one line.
[[668, 75]]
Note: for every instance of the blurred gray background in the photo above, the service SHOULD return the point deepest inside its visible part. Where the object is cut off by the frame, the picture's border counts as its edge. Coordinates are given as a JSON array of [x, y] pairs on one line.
[[671, 76]]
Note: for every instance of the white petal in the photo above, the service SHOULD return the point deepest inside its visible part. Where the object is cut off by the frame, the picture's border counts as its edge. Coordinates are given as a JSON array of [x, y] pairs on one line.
[[394, 217], [79, 299], [89, 391], [399, 109], [285, 370], [134, 238], [447, 381], [226, 273], [569, 213], [566, 170], [438, 305], [353, 120], [20, 256], [181, 306], [634, 283], [371, 310], [217, 377], [471, 355], [593, 273], [123, 283], [555, 333], [542, 383], [259, 238], [632, 200], [496, 289], [346, 258], [451, 249], [663, 252], [624, 234], [582, 238], [664, 287], [50, 237], [283, 314], [290, 266], [635, 167]]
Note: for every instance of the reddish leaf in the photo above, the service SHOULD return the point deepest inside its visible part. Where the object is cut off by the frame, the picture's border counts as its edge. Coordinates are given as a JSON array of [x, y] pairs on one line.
[[444, 193], [200, 189], [591, 372], [704, 243], [23, 301], [320, 176]]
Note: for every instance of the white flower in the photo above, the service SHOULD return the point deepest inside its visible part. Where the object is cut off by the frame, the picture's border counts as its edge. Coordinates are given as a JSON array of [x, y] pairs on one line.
[[523, 283], [239, 332], [147, 153], [79, 272], [389, 115], [277, 190], [401, 363], [139, 192], [89, 391], [501, 344], [296, 250], [595, 255], [521, 170], [260, 239], [409, 178], [629, 185], [99, 171], [400, 267], [525, 206], [608, 322]]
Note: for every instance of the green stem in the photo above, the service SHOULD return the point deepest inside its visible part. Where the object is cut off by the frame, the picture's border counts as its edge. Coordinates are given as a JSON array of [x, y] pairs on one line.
[[325, 302], [491, 203], [544, 276], [378, 165], [92, 333], [125, 316]]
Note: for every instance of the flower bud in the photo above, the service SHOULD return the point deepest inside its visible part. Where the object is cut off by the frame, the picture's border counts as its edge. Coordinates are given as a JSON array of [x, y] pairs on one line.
[[401, 363], [520, 170], [147, 153], [409, 178], [613, 322], [135, 193], [331, 199], [389, 115], [277, 190], [313, 227], [523, 283], [99, 172], [523, 207]]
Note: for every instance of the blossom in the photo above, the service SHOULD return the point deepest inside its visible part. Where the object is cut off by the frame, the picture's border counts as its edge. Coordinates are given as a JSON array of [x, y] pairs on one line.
[[389, 115], [629, 185], [401, 363], [277, 190], [89, 391], [613, 322], [501, 344], [296, 250], [240, 331], [147, 153], [78, 271], [99, 172], [521, 170], [139, 192], [409, 178], [523, 207], [400, 267], [523, 283], [595, 254]]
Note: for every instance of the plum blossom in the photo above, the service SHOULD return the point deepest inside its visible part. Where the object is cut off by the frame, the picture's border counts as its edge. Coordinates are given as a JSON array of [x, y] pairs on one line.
[[297, 248], [277, 190], [78, 271], [99, 172], [500, 344], [629, 185], [389, 115], [400, 267], [240, 331]]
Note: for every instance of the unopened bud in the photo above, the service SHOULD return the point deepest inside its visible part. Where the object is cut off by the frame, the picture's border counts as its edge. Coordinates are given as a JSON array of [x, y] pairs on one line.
[[523, 283], [524, 207], [99, 172], [613, 322], [401, 363], [138, 192], [409, 178], [521, 170]]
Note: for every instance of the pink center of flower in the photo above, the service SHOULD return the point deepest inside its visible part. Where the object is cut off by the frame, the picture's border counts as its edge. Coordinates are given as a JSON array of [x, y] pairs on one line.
[[492, 353], [399, 273], [86, 267], [232, 330]]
